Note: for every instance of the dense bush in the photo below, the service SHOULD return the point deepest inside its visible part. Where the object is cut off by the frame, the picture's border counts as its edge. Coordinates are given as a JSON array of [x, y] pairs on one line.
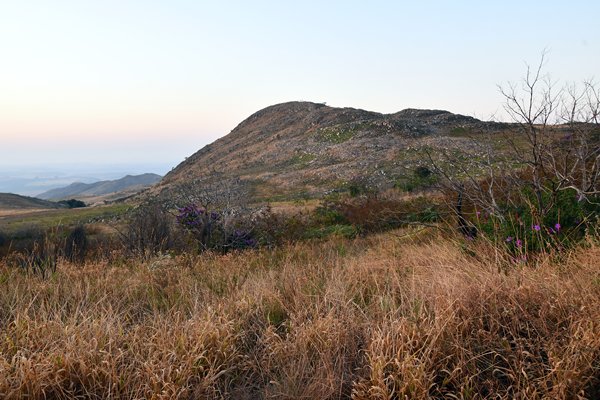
[[358, 187], [421, 178], [73, 203], [149, 231], [76, 245], [220, 230], [273, 228], [374, 214]]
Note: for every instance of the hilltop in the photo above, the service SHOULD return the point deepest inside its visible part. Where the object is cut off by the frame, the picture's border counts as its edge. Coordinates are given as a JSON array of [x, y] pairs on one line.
[[301, 149], [109, 189]]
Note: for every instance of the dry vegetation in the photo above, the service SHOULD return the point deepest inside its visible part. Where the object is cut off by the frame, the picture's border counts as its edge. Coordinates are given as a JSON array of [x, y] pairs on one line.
[[382, 317]]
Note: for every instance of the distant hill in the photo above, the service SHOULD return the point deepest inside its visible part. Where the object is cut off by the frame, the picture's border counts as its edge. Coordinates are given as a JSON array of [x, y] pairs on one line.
[[300, 149], [10, 201], [128, 184]]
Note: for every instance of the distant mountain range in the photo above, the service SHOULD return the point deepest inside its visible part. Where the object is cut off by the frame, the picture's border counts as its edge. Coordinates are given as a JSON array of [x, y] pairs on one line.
[[78, 190]]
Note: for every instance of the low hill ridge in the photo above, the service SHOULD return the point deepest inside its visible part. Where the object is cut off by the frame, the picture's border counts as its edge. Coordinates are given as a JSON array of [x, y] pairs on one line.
[[81, 190], [11, 201]]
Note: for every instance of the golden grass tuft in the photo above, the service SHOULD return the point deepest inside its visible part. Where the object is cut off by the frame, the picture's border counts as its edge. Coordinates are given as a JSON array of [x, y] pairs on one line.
[[371, 318]]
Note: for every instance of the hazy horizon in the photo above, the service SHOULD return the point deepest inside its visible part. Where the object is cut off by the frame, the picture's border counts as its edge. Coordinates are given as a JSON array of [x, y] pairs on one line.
[[149, 83]]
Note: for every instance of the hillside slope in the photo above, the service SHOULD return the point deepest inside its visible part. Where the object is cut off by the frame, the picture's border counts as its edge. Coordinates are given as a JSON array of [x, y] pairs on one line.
[[10, 201], [128, 183], [302, 148]]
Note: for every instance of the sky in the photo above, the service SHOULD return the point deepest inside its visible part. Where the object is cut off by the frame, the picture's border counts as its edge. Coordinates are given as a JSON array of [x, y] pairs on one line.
[[143, 84]]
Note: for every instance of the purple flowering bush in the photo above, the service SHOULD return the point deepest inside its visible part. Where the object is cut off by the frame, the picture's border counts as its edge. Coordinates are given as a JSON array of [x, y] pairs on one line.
[[214, 230]]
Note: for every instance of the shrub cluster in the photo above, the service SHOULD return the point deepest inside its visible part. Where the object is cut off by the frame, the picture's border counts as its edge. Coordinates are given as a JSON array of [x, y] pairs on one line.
[[73, 203], [148, 232], [421, 178], [522, 230], [216, 230], [373, 213]]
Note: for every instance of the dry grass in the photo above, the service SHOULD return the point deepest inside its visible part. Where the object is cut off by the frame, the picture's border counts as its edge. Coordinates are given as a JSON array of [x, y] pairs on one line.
[[9, 212], [373, 318]]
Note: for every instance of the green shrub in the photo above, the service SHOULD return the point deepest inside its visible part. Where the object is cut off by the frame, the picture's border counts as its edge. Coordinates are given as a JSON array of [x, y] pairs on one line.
[[328, 213], [563, 225], [73, 203], [421, 178]]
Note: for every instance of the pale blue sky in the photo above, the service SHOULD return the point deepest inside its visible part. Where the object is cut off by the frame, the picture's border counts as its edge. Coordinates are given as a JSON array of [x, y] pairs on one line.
[[153, 81]]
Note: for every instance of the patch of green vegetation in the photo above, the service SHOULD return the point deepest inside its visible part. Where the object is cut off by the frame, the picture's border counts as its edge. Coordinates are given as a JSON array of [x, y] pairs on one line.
[[65, 217], [302, 160], [460, 131], [335, 135], [345, 231], [567, 223], [421, 178], [300, 195], [276, 315], [357, 187]]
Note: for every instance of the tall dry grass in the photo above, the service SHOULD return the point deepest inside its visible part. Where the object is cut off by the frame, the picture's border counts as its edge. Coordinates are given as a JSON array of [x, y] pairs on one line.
[[371, 318]]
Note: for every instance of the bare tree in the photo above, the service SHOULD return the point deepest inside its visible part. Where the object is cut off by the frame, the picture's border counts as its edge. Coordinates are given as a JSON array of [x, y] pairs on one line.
[[531, 106], [216, 193], [575, 159], [551, 145]]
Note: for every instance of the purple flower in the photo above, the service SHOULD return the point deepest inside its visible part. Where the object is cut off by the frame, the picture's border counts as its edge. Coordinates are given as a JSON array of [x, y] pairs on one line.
[[509, 239], [190, 216], [519, 243], [536, 228], [557, 227]]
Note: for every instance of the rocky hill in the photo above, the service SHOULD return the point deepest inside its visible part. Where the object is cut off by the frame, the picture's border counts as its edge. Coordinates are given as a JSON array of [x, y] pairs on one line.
[[307, 149], [124, 186]]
